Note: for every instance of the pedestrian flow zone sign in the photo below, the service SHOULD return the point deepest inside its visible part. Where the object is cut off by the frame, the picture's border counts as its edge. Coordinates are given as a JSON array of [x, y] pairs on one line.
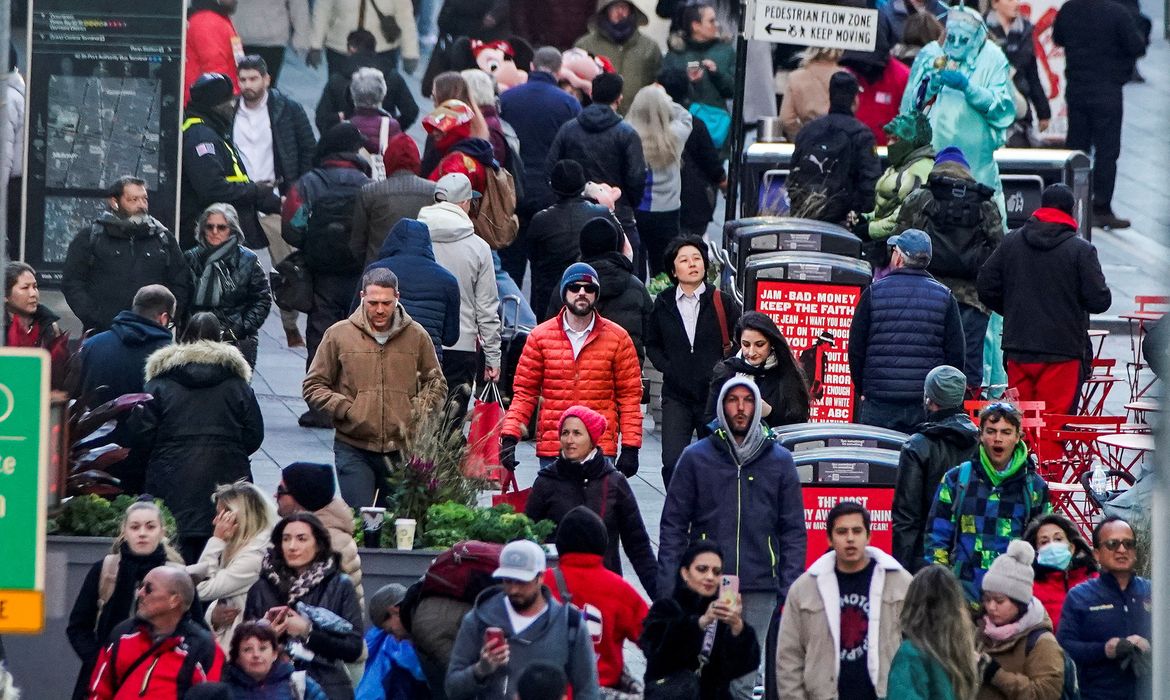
[[24, 451], [809, 24]]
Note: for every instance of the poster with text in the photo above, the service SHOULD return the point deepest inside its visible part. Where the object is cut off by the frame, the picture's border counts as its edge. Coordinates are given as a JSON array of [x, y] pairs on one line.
[[814, 318], [819, 500]]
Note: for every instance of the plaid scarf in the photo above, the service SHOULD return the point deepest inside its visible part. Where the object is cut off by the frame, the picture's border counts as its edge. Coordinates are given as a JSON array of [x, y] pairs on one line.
[[294, 586]]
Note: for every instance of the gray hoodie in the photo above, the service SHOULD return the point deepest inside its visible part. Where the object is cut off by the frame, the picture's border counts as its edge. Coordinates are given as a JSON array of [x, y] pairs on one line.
[[757, 434], [547, 640]]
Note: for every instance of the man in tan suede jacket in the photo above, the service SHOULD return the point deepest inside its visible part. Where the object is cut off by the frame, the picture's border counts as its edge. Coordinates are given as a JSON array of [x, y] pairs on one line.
[[376, 373]]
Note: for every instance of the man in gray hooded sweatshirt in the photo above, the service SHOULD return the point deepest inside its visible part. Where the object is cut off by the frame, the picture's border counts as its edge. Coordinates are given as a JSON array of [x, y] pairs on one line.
[[738, 487]]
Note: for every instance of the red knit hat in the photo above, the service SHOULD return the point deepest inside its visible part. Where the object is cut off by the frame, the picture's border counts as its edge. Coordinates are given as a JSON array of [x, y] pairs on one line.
[[595, 423]]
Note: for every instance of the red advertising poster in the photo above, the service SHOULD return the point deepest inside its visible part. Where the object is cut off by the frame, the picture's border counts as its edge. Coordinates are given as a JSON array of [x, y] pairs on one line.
[[815, 319], [819, 500]]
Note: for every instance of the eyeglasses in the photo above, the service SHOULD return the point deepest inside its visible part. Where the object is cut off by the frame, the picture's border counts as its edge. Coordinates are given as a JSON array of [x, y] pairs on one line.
[[216, 227], [578, 288], [1114, 545]]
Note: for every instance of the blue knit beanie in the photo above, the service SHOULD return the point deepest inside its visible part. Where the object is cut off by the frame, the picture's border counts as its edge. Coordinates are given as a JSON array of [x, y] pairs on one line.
[[579, 272]]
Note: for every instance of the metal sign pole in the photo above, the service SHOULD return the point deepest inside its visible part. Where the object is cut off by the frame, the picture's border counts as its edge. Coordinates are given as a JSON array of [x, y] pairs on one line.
[[731, 213]]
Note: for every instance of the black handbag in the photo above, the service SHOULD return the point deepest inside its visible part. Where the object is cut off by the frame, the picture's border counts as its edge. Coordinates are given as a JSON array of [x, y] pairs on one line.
[[683, 684], [292, 283], [388, 24]]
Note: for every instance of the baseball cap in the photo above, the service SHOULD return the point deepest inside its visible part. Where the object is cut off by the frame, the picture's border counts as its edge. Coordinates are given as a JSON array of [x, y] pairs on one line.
[[454, 188], [522, 560], [913, 243]]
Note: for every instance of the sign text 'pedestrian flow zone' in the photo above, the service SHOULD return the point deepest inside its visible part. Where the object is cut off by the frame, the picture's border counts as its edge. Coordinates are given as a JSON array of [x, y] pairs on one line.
[[808, 24]]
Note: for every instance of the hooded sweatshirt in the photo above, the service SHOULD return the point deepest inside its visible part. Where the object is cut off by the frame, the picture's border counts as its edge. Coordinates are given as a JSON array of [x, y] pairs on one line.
[[608, 148], [467, 257], [552, 638]]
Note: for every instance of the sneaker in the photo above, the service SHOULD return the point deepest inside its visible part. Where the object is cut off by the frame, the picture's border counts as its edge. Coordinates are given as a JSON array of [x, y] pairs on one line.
[[1107, 219], [293, 337], [313, 418]]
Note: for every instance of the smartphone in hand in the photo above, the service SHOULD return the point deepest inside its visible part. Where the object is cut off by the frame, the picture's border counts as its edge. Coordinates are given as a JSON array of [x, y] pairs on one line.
[[729, 589], [493, 637]]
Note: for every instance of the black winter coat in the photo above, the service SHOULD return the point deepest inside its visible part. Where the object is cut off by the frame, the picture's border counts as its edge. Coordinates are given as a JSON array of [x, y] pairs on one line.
[[864, 166], [293, 143], [782, 386], [946, 440], [702, 171], [1045, 280], [108, 263], [336, 101], [672, 639], [200, 428], [1101, 41], [332, 649], [686, 370], [554, 243], [1017, 44], [246, 297], [624, 299], [116, 359], [596, 484], [608, 148]]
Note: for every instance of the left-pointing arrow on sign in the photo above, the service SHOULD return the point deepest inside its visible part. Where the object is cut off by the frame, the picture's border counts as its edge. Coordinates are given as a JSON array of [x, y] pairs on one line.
[[771, 28]]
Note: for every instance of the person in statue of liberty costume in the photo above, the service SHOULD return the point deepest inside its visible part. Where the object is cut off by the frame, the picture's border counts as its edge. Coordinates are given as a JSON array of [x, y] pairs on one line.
[[965, 88]]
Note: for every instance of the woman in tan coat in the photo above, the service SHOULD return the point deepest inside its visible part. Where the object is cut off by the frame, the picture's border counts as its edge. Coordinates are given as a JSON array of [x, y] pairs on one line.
[[807, 95], [1022, 659]]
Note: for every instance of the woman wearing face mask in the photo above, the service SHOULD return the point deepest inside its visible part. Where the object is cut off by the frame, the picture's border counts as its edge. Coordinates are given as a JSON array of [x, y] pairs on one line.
[[1063, 559], [676, 630], [764, 358], [1022, 659], [583, 476], [257, 672], [108, 594]]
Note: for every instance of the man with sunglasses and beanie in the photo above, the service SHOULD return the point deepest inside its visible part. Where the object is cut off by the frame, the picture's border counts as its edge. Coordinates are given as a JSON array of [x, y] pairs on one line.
[[577, 357], [986, 502], [1105, 625]]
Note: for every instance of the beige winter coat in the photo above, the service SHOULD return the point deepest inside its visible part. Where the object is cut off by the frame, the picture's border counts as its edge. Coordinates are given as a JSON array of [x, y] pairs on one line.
[[1038, 675], [807, 96], [228, 584], [338, 520], [807, 651]]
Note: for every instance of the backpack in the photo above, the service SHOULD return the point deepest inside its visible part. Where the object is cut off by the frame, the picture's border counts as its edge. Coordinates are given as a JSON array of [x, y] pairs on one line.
[[330, 220], [965, 470], [954, 220], [1071, 690], [496, 221], [463, 571], [820, 184]]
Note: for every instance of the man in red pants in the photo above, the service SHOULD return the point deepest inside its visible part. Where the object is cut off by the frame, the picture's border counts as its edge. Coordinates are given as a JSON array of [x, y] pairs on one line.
[[1046, 280]]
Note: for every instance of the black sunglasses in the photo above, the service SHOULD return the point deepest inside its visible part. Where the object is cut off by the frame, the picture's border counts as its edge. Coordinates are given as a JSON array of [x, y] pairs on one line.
[[1114, 545], [579, 287]]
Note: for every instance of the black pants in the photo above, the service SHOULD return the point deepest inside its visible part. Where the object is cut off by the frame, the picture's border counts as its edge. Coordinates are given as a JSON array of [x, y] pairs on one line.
[[657, 229], [339, 63], [331, 297], [459, 371], [273, 57], [680, 420], [191, 548], [514, 258], [15, 210], [974, 331], [1094, 126], [625, 216]]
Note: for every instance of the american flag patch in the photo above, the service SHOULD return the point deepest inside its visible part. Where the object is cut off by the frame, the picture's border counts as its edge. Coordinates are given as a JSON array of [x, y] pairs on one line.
[[205, 149]]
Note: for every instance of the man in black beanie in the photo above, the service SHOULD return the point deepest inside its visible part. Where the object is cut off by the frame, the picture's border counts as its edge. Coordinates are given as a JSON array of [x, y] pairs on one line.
[[1046, 280], [212, 169]]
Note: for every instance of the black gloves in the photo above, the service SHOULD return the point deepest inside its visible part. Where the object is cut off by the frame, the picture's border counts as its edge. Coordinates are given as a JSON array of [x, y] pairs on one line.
[[508, 453], [627, 461]]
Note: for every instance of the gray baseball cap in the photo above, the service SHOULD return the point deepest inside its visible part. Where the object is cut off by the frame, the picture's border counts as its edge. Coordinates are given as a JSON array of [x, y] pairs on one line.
[[454, 188], [522, 560]]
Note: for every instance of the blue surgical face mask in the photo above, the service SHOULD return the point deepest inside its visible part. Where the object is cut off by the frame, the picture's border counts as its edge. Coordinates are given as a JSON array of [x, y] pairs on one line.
[[1055, 555]]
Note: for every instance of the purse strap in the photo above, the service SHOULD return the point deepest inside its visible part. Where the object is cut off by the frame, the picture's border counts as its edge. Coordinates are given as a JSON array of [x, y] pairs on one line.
[[362, 14], [708, 645], [721, 315]]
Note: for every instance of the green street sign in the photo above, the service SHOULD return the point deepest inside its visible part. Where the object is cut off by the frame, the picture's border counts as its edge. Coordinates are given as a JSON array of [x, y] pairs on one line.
[[24, 458]]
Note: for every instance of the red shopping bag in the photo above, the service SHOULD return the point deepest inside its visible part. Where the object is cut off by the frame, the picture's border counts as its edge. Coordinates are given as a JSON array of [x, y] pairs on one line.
[[511, 493], [483, 441]]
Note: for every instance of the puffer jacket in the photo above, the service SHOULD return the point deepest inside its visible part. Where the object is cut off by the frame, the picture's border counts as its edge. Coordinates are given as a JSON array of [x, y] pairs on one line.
[[608, 149], [427, 291], [115, 358], [554, 243], [201, 426], [905, 325], [277, 685], [947, 439], [623, 300], [109, 261], [336, 594], [338, 520], [810, 629], [893, 187], [227, 583], [598, 485], [380, 206], [638, 59], [333, 20], [1017, 672], [293, 143], [372, 389], [246, 297], [604, 377]]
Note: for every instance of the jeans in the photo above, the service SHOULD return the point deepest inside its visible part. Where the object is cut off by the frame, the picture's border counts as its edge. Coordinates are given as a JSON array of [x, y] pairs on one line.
[[657, 229], [903, 417], [974, 331], [758, 608], [680, 420], [1094, 126], [361, 474]]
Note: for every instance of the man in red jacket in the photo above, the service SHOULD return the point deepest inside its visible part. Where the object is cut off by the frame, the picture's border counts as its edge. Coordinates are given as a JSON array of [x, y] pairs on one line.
[[212, 46], [577, 357], [613, 611], [160, 652]]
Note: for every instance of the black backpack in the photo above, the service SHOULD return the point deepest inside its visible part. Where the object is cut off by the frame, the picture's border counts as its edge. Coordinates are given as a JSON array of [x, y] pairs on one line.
[[819, 186], [954, 220], [330, 221]]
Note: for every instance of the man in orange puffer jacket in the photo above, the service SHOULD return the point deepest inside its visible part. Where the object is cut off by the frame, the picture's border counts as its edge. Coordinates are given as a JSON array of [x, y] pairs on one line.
[[577, 357]]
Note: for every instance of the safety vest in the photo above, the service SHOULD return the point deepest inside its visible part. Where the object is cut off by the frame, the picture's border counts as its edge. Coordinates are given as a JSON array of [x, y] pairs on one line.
[[238, 174]]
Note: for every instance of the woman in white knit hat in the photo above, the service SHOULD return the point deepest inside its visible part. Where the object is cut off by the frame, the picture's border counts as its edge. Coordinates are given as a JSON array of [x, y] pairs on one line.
[[1022, 659]]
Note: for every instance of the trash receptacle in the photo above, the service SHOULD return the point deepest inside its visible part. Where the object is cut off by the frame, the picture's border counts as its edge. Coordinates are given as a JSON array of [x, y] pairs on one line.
[[811, 298], [800, 437], [744, 238]]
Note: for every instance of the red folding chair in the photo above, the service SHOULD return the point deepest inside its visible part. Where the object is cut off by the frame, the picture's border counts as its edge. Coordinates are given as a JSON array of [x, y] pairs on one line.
[[1096, 387], [1149, 309]]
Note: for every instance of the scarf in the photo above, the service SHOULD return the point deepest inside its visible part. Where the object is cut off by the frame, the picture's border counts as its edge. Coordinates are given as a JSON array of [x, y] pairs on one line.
[[132, 569], [1019, 458], [1033, 616], [216, 277], [294, 586], [618, 33]]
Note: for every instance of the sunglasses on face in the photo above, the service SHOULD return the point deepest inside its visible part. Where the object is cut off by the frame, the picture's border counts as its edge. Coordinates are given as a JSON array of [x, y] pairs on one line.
[[281, 490], [1114, 545], [578, 288]]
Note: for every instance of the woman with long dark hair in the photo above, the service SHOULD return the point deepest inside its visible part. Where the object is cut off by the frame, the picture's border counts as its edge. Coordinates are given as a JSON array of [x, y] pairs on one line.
[[300, 574], [765, 359]]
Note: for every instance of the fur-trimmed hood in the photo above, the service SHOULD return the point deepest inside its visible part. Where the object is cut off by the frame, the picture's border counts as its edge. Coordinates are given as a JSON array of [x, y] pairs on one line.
[[199, 364]]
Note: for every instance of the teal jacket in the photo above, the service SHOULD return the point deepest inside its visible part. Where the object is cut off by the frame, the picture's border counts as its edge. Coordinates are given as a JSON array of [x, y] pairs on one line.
[[715, 88], [914, 675]]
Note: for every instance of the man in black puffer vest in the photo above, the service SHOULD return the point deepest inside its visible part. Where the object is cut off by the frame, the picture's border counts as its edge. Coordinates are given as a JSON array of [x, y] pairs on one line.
[[905, 325]]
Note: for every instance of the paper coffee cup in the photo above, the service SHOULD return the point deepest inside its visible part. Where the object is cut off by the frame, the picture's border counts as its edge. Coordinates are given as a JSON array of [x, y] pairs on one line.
[[404, 533], [372, 519]]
